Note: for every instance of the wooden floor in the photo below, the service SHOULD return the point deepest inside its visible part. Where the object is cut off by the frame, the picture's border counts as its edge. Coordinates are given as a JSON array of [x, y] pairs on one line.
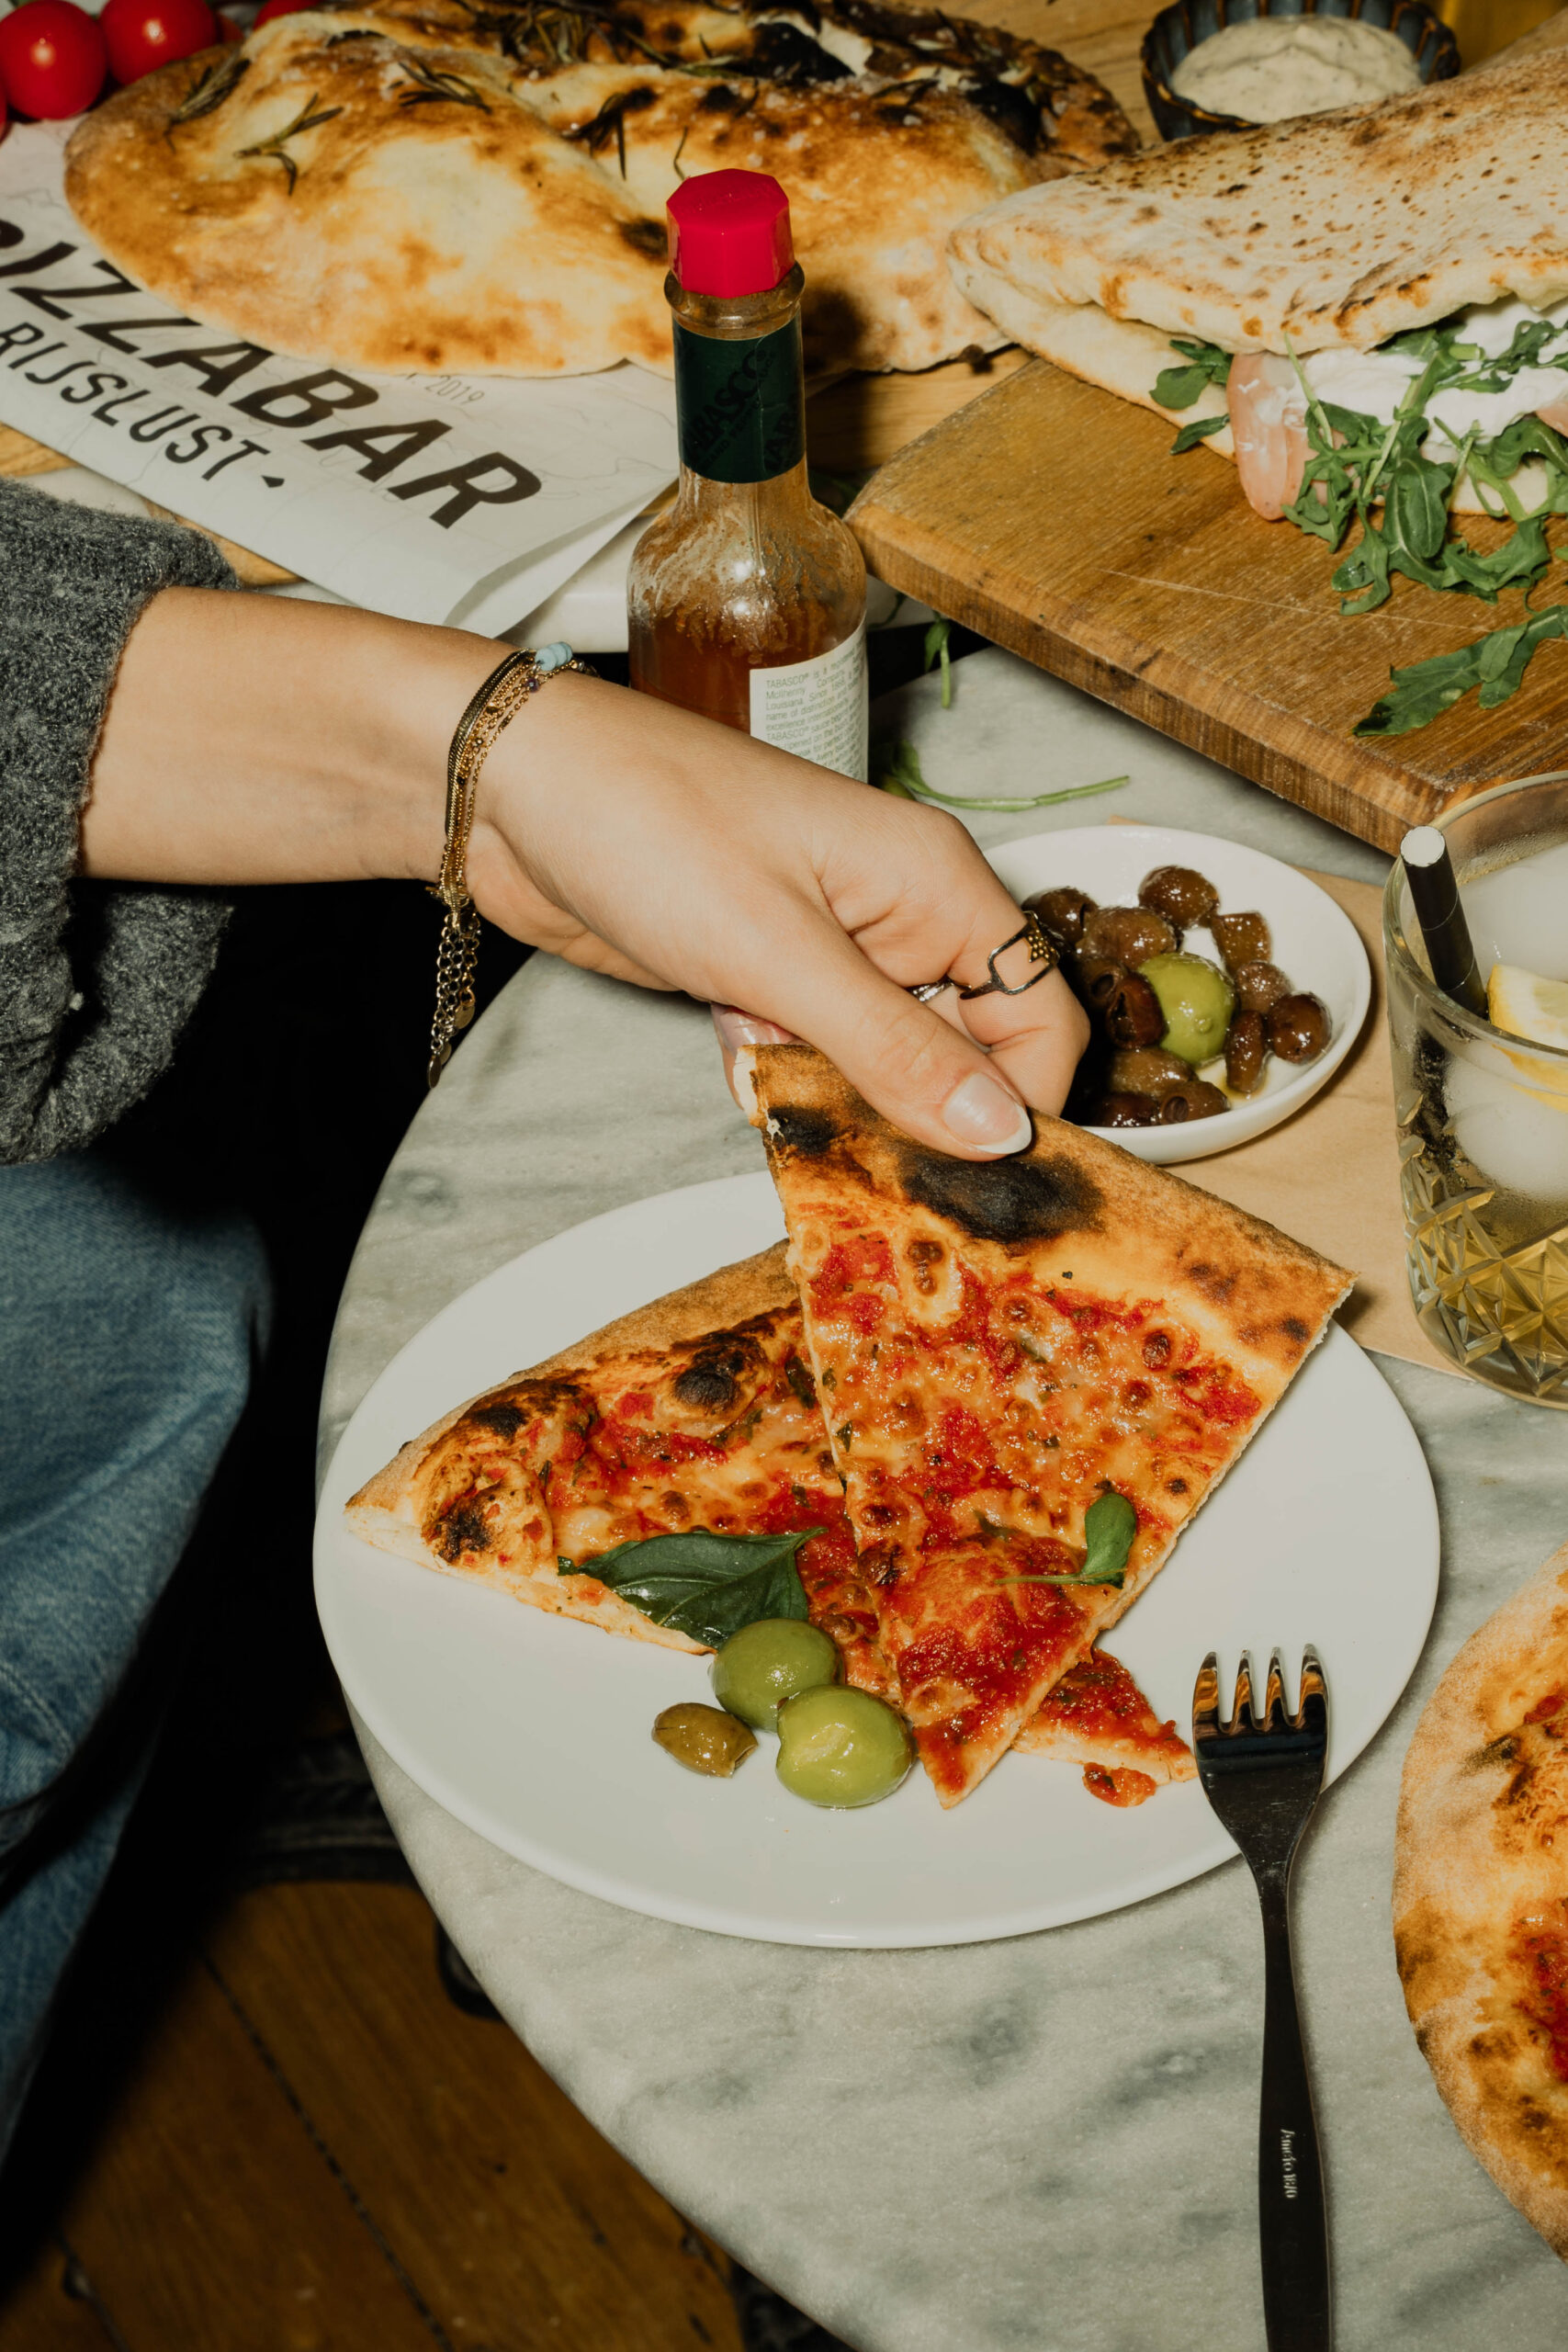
[[316, 2152]]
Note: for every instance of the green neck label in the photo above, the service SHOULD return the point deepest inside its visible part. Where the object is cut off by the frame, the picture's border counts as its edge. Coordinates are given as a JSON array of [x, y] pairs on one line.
[[741, 406]]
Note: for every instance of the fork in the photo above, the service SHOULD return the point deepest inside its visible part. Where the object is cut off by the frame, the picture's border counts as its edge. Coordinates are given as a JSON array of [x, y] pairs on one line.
[[1263, 1775]]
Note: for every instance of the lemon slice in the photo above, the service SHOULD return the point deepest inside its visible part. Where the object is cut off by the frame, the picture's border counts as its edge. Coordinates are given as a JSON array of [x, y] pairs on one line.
[[1526, 1006]]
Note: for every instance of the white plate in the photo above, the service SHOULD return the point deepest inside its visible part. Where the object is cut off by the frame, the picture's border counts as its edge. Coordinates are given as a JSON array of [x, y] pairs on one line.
[[1316, 946], [535, 1731]]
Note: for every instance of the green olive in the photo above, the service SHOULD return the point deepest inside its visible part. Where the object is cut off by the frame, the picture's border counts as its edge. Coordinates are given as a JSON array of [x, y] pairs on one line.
[[839, 1746], [766, 1663], [702, 1738], [1197, 999]]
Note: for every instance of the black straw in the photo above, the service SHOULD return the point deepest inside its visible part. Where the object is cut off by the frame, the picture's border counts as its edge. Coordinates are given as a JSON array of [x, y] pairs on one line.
[[1434, 891]]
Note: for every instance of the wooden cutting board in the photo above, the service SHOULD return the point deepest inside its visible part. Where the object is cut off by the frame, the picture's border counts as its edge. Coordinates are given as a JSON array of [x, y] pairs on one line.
[[1050, 516]]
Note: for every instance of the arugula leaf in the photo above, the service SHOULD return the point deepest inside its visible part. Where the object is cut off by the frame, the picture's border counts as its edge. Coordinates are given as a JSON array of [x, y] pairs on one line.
[[1198, 430], [1206, 364], [1495, 664], [705, 1585], [936, 650], [1110, 1524], [895, 767]]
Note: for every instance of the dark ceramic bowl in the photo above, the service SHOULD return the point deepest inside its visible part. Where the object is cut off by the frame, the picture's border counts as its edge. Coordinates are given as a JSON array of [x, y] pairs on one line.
[[1178, 29]]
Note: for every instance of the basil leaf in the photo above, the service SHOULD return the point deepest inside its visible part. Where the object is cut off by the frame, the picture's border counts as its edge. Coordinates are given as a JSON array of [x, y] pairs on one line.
[[1198, 430], [1109, 1526], [705, 1585]]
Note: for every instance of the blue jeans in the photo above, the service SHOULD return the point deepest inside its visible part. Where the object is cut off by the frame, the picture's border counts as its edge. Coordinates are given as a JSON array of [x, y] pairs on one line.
[[125, 1341]]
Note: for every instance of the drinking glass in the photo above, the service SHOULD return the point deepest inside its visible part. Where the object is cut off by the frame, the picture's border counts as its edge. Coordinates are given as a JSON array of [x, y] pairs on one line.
[[1483, 1115]]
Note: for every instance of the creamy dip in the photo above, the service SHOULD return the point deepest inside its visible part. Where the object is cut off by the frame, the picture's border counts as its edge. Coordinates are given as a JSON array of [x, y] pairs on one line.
[[1278, 67]]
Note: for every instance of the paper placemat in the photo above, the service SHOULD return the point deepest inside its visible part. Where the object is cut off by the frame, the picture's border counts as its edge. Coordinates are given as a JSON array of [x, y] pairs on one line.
[[1330, 1176]]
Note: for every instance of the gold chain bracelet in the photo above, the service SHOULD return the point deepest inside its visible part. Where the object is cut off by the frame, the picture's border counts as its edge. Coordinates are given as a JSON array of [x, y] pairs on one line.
[[494, 707]]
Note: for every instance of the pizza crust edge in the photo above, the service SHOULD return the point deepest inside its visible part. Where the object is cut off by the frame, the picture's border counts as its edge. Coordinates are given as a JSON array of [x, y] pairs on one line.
[[1451, 1884]]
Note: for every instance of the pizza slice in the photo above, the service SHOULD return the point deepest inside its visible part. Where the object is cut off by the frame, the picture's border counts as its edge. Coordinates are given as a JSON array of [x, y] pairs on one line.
[[1097, 1716], [1032, 1370], [697, 1411], [1480, 1896]]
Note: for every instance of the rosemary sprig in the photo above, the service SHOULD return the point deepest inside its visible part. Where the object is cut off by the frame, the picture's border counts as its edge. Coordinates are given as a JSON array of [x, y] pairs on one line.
[[207, 92], [275, 149], [435, 87], [610, 122], [896, 768]]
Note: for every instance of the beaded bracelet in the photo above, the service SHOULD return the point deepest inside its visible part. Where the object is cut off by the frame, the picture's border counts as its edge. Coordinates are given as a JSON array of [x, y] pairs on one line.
[[494, 706]]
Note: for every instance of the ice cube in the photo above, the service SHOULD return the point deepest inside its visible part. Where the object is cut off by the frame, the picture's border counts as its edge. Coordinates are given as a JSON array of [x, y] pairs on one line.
[[1519, 914], [1517, 1135]]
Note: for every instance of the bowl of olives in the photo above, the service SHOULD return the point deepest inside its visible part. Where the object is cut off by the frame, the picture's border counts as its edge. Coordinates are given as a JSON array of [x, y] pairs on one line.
[[1222, 988]]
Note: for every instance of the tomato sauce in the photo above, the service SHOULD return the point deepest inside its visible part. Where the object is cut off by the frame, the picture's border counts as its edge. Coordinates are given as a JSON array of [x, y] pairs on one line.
[[1542, 1955]]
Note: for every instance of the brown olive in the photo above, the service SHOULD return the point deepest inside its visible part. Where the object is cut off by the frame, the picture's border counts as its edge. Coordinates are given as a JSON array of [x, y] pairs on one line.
[[1121, 1110], [1298, 1028], [1247, 1050], [1132, 1014], [1196, 1100], [1258, 985], [1096, 979], [1062, 914], [704, 1739], [1181, 894], [1151, 1071], [1241, 939], [1128, 934]]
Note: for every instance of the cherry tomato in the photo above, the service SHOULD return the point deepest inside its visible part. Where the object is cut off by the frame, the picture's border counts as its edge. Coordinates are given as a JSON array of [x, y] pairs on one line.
[[279, 8], [53, 59], [142, 34]]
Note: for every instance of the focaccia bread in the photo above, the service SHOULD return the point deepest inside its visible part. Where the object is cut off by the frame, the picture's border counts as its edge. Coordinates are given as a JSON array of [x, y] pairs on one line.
[[998, 1346], [434, 187], [1480, 1896]]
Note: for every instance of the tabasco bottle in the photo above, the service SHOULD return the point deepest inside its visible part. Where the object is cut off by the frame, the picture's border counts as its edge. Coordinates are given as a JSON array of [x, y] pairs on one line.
[[746, 599]]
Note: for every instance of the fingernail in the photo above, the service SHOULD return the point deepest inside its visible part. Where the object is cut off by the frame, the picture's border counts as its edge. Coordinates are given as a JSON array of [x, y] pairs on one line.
[[737, 1028], [986, 1116]]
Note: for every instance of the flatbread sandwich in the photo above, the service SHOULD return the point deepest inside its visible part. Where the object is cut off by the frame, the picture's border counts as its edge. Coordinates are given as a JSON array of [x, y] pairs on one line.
[[1403, 263]]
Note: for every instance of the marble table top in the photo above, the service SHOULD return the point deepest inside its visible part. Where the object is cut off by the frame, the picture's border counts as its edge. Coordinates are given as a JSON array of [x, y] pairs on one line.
[[1044, 2142]]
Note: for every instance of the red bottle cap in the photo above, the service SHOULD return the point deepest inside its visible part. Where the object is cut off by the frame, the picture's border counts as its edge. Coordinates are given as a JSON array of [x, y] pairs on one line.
[[730, 233]]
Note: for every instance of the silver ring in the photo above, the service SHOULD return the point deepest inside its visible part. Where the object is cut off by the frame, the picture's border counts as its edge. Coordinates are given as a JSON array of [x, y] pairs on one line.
[[930, 989], [1041, 951]]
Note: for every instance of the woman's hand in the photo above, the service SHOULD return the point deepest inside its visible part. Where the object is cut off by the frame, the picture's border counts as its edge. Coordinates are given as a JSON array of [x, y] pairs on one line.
[[634, 839], [259, 740]]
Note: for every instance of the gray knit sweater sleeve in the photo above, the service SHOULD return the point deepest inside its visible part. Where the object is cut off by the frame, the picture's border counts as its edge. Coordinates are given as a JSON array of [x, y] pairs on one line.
[[96, 979]]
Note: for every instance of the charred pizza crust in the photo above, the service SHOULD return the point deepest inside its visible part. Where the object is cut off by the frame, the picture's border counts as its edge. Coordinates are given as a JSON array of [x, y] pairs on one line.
[[1480, 1896]]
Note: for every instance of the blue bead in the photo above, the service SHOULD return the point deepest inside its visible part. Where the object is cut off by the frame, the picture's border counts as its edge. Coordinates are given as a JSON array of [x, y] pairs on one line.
[[553, 657]]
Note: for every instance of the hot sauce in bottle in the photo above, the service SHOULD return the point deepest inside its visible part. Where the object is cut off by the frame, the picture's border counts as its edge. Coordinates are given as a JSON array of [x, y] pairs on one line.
[[746, 599]]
